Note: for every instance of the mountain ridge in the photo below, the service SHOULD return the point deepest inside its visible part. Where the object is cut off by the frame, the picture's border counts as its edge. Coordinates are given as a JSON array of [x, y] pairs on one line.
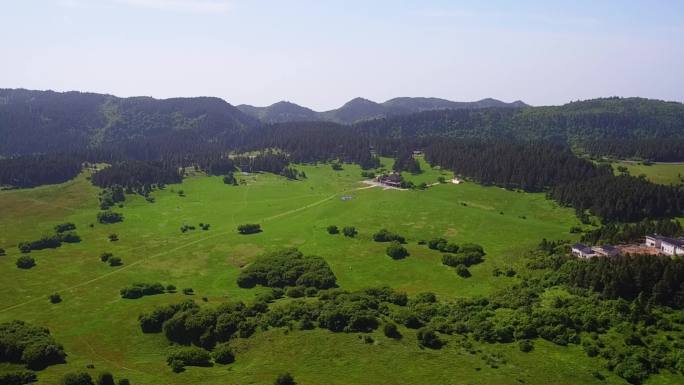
[[361, 109]]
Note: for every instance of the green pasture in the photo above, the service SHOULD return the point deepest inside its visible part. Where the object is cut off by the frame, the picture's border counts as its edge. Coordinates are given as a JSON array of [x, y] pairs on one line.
[[97, 327]]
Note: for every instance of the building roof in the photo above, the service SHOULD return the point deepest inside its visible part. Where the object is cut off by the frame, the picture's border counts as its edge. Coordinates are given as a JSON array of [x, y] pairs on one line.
[[673, 241], [583, 248]]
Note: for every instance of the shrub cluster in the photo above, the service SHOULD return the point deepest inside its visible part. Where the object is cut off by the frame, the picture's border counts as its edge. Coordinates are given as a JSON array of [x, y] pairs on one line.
[[30, 345], [138, 290], [49, 241], [349, 231], [443, 245], [108, 217], [249, 228], [385, 236], [397, 251], [288, 267], [25, 262]]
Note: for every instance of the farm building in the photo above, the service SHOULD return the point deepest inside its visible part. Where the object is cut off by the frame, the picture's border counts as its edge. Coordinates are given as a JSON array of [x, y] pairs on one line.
[[606, 250], [582, 251], [668, 246], [393, 179]]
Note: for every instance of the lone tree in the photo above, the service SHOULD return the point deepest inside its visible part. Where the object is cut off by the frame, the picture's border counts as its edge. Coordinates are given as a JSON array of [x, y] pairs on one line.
[[285, 379], [249, 228], [332, 229], [397, 251], [55, 298]]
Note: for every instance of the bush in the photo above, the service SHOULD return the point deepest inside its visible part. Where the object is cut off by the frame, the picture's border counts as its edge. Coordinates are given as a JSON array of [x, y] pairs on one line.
[[21, 377], [123, 381], [115, 261], [287, 267], [428, 338], [437, 244], [223, 354], [138, 290], [249, 228], [462, 271], [31, 345], [286, 378], [2, 251], [332, 229], [77, 378], [105, 378], [113, 237], [104, 257], [391, 330], [188, 291], [189, 356], [385, 236], [55, 298], [295, 292], [65, 227], [349, 231], [525, 346], [25, 262], [107, 217], [397, 251], [170, 288]]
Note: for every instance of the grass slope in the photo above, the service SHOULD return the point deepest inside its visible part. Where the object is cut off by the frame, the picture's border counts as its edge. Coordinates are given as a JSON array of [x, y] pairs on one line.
[[662, 173], [98, 327]]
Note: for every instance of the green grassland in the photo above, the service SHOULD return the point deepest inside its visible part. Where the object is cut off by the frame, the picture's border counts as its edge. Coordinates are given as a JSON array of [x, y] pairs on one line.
[[662, 173], [97, 327]]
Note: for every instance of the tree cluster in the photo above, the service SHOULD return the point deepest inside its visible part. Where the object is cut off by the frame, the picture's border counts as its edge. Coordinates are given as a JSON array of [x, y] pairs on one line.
[[288, 267], [22, 343]]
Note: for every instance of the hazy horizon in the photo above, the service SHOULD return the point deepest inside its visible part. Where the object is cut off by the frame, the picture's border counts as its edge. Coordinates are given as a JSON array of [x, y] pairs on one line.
[[322, 54]]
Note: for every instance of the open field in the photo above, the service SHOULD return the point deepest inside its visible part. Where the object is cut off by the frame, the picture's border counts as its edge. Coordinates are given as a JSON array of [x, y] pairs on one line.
[[663, 173], [98, 327]]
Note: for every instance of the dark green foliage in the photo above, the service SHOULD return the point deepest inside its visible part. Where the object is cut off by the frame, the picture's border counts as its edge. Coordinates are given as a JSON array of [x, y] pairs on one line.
[[111, 196], [115, 261], [104, 257], [136, 175], [620, 198], [332, 229], [659, 278], [295, 292], [525, 346], [287, 267], [230, 179], [30, 345], [123, 381], [138, 290], [188, 291], [223, 354], [285, 379], [152, 322], [249, 228], [107, 217], [104, 378], [76, 378], [205, 226], [405, 162], [632, 232], [462, 271], [189, 356], [2, 251], [21, 377], [289, 173], [396, 251], [25, 262], [336, 166], [113, 237], [390, 330], [385, 236], [349, 231], [55, 298], [428, 338], [62, 227], [171, 288]]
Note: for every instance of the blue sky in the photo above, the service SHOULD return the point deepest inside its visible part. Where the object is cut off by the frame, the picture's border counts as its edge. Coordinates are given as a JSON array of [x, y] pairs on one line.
[[322, 53]]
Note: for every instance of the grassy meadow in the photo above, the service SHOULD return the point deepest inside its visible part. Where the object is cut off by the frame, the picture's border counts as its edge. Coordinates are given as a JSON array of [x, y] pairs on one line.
[[97, 327], [662, 173]]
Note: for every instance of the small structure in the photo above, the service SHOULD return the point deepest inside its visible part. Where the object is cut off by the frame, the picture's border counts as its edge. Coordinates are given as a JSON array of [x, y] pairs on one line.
[[668, 246], [606, 250], [393, 180], [456, 181], [346, 197], [582, 251]]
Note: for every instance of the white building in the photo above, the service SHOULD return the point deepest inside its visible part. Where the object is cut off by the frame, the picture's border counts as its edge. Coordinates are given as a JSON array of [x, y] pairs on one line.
[[668, 246]]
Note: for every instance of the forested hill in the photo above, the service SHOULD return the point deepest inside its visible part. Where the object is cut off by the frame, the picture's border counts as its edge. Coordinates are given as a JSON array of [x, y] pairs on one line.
[[47, 121], [577, 123], [360, 109]]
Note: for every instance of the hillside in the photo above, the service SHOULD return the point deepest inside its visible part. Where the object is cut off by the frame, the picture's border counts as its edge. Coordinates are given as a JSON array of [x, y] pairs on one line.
[[47, 121], [280, 112]]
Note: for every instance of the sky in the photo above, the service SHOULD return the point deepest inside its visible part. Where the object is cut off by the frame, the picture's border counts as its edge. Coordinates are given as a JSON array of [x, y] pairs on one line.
[[321, 53]]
